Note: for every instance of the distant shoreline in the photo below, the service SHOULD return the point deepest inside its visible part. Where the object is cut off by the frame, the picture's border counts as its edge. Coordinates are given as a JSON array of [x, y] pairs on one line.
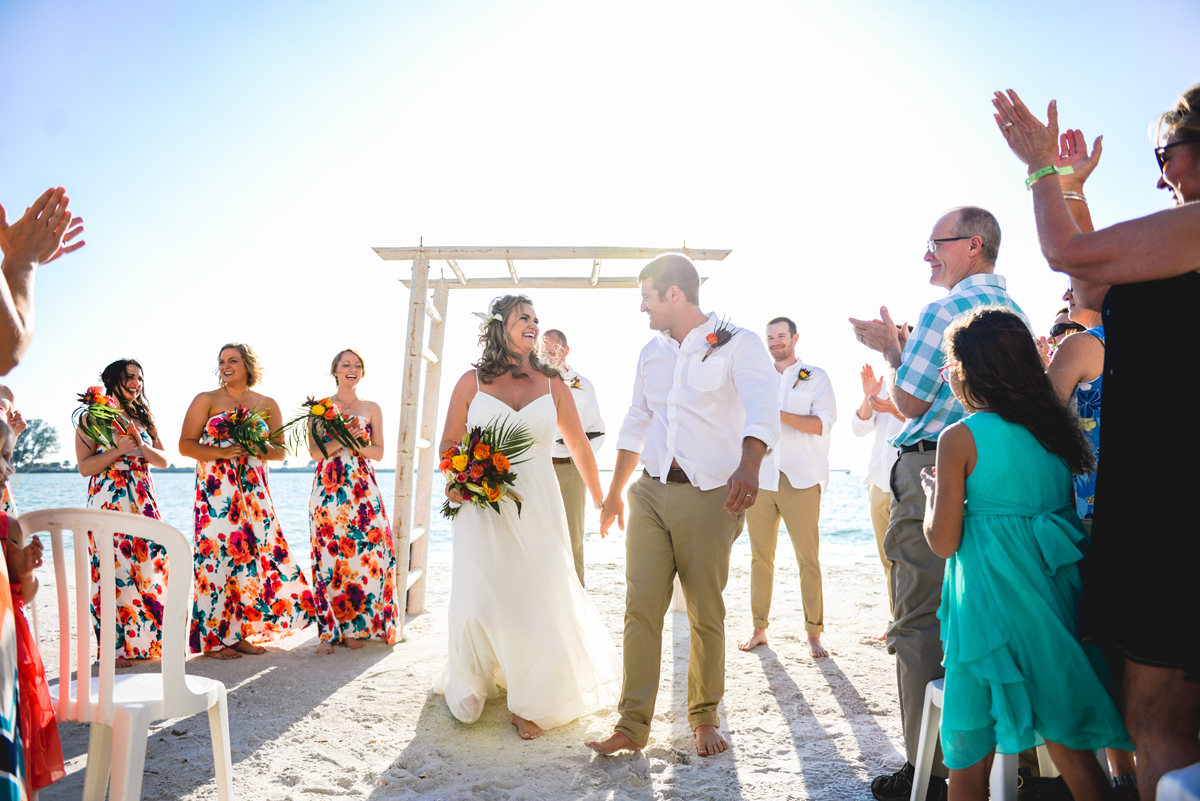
[[28, 471]]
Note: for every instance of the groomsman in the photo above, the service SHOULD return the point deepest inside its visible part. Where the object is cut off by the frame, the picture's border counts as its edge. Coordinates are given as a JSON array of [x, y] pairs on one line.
[[570, 483], [704, 414], [790, 487]]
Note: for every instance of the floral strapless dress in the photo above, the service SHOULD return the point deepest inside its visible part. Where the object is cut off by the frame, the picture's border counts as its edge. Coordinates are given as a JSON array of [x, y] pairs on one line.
[[248, 587]]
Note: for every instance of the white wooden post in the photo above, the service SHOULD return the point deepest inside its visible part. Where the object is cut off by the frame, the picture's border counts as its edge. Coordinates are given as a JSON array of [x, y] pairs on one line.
[[406, 441], [429, 456]]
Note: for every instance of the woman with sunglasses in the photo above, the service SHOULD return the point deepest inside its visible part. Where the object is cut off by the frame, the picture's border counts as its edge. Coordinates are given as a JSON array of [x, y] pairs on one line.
[[1139, 597]]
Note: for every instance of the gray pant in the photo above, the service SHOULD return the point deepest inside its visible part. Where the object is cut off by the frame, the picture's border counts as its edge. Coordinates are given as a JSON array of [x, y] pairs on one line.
[[916, 585]]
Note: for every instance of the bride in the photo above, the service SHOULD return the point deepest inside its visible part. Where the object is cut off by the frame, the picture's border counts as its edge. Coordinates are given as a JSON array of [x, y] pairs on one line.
[[519, 617]]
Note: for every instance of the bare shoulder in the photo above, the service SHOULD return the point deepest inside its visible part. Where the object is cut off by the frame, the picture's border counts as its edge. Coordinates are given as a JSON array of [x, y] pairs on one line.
[[956, 436], [1079, 345], [466, 385]]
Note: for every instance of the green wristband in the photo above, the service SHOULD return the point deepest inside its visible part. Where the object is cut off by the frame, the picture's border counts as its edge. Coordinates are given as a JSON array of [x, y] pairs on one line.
[[1044, 171]]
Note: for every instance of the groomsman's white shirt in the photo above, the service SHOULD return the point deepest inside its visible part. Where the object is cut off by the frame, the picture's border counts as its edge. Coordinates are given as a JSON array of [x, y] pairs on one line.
[[589, 413], [803, 458], [883, 455], [697, 412]]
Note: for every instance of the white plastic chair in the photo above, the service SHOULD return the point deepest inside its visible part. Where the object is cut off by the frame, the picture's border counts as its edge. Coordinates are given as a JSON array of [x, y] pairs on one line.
[[1180, 785], [121, 708], [1003, 778]]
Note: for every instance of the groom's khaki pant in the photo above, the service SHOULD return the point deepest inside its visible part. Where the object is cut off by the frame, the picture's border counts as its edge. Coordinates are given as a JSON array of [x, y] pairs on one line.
[[800, 509], [675, 528]]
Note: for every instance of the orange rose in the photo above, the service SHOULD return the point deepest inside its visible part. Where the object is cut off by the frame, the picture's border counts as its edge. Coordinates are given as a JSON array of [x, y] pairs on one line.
[[482, 451], [252, 614], [493, 492], [330, 414], [711, 339], [501, 462]]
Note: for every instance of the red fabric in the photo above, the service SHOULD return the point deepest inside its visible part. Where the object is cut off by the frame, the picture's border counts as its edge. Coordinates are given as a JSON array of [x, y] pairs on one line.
[[43, 750]]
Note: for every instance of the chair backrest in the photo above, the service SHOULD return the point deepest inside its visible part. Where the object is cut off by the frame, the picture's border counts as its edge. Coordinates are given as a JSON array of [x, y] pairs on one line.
[[105, 525]]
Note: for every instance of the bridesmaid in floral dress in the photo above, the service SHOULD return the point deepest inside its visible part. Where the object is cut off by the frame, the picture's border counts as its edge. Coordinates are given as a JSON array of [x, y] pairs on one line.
[[248, 589], [354, 561], [119, 480]]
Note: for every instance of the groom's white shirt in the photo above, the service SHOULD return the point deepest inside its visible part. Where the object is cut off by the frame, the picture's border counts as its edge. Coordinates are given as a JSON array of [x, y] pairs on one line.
[[698, 412]]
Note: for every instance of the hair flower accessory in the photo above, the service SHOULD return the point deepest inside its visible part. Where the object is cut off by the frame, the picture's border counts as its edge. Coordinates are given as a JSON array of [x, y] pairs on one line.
[[487, 320], [803, 375], [720, 335]]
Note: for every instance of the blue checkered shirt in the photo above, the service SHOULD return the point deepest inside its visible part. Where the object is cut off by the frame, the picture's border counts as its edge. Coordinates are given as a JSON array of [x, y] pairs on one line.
[[918, 373]]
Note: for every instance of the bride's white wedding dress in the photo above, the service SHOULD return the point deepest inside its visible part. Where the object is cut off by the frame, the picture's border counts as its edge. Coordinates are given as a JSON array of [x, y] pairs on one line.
[[518, 615]]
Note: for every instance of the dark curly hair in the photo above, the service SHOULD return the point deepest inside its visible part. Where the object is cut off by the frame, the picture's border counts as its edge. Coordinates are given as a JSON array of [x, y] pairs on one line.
[[999, 368], [498, 355], [137, 408]]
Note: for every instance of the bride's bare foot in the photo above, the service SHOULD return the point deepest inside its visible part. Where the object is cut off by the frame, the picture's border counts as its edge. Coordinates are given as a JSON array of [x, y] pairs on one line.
[[224, 653], [526, 728], [618, 742], [246, 647], [324, 648], [759, 637], [709, 741], [353, 645], [815, 649], [121, 662]]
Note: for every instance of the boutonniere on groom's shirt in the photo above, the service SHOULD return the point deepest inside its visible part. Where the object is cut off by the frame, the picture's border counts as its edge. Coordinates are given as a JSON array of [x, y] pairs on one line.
[[574, 383], [720, 335], [803, 375]]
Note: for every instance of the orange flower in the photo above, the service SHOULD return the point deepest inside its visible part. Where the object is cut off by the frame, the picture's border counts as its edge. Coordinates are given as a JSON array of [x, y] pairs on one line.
[[445, 465], [281, 608], [348, 547], [493, 492], [501, 462], [330, 414], [252, 614], [711, 339], [482, 451]]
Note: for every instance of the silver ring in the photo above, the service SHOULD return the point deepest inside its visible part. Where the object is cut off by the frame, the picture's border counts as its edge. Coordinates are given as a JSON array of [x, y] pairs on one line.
[[1007, 125]]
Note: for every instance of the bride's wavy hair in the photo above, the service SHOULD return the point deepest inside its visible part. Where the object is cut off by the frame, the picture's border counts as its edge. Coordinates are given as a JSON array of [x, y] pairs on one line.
[[498, 354]]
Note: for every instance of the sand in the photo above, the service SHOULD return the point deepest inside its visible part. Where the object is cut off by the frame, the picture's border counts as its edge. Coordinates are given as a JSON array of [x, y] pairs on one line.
[[365, 724]]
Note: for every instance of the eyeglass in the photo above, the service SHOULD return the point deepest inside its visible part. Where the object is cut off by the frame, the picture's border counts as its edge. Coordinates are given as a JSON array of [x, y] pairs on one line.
[[933, 244], [1059, 329], [943, 371], [1160, 153]]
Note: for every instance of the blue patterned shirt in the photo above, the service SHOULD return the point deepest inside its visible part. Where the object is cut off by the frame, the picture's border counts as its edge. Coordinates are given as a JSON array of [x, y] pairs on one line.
[[918, 373], [1087, 400]]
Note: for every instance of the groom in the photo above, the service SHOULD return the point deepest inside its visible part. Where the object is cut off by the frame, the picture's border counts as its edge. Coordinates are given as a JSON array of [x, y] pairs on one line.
[[704, 413]]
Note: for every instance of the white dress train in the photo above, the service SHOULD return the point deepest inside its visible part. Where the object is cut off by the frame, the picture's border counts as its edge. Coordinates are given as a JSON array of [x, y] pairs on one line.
[[518, 616]]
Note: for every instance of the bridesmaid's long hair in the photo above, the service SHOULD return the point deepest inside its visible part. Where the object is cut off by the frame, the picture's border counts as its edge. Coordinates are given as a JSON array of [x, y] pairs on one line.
[[498, 355], [135, 408], [999, 367]]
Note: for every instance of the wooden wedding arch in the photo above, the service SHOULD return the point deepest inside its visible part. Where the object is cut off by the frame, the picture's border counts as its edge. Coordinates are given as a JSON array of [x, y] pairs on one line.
[[417, 441]]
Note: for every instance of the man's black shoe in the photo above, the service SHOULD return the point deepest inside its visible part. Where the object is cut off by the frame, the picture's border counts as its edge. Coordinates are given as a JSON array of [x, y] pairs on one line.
[[898, 786]]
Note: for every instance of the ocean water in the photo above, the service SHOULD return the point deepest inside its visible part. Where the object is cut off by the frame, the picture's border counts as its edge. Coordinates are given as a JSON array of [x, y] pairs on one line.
[[846, 533]]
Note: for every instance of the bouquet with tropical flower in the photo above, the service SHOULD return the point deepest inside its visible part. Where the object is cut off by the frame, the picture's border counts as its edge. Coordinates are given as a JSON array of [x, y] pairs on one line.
[[242, 426], [480, 465], [323, 417], [100, 418]]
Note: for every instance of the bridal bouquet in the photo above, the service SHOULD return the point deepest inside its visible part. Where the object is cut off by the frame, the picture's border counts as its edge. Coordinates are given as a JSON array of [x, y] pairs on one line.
[[480, 466], [324, 418], [99, 417], [242, 426]]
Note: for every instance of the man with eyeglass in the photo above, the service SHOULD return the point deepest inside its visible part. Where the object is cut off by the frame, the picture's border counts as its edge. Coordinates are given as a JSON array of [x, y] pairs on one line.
[[570, 483], [961, 254]]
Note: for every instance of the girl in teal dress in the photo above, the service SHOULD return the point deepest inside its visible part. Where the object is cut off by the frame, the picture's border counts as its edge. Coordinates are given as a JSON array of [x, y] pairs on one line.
[[1001, 512]]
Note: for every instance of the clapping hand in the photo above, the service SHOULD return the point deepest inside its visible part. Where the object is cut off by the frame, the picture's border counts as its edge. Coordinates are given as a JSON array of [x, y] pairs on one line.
[[929, 482], [884, 406], [43, 232], [1045, 350], [1073, 152], [1035, 144], [871, 385], [16, 422]]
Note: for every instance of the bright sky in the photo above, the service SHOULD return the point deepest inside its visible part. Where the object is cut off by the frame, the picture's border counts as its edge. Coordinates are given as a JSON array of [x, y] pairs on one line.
[[235, 163]]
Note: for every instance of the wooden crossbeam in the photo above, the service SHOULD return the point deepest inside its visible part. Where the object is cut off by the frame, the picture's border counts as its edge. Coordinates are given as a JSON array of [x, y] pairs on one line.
[[531, 253]]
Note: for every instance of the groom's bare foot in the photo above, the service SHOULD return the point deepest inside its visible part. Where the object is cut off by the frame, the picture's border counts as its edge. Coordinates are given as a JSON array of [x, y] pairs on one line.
[[247, 647], [526, 728], [709, 741], [815, 649], [759, 637], [618, 742]]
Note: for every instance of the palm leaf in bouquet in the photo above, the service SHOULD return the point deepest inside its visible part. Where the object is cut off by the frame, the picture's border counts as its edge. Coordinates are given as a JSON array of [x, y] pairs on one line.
[[248, 428], [99, 417], [320, 417]]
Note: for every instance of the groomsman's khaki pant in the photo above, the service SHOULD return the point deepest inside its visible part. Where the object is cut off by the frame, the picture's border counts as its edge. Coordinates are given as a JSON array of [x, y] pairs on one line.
[[574, 495], [881, 511], [800, 509], [675, 528]]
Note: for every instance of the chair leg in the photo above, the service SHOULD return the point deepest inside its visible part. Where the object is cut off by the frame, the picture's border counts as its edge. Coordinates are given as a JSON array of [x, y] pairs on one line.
[[1003, 779], [218, 726], [131, 730], [99, 760], [1046, 767], [931, 719]]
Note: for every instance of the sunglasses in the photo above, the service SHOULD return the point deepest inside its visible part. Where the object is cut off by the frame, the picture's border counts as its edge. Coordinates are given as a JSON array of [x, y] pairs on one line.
[[1160, 153], [1065, 328]]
